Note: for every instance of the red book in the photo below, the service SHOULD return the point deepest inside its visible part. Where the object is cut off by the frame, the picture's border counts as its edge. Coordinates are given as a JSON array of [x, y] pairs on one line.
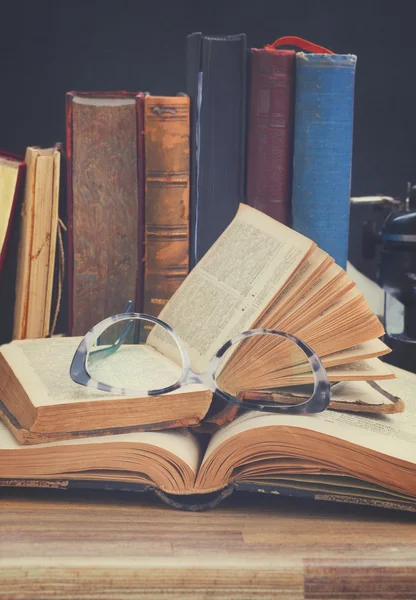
[[11, 175], [105, 205], [270, 132]]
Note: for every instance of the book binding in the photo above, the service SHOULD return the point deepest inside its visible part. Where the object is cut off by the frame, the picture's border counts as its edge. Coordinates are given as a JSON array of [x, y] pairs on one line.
[[201, 502], [323, 150], [270, 132], [216, 85]]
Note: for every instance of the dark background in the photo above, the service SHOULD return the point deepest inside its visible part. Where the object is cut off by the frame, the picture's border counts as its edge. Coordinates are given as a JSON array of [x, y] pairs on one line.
[[48, 48]]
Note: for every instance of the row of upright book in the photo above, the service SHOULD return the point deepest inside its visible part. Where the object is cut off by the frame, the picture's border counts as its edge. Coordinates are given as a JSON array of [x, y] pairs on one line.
[[148, 183], [147, 188]]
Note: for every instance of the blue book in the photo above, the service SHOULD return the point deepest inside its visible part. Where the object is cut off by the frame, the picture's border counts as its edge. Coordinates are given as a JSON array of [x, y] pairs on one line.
[[323, 150]]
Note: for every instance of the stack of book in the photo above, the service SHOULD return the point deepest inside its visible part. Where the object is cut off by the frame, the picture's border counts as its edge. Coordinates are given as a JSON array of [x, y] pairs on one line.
[[59, 434], [155, 186]]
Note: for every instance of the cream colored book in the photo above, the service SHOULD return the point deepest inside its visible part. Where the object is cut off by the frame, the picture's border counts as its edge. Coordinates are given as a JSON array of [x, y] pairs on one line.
[[10, 176], [331, 456], [259, 274], [37, 246]]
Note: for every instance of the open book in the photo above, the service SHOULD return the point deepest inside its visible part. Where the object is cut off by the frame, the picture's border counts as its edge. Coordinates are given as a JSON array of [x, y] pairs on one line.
[[333, 455], [259, 274]]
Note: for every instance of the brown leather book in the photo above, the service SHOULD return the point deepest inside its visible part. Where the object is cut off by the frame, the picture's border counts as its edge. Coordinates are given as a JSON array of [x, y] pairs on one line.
[[270, 132], [166, 198], [105, 205]]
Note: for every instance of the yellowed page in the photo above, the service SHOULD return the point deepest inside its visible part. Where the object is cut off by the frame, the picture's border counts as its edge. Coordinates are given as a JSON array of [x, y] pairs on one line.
[[25, 246], [232, 285], [9, 171], [52, 241], [40, 248], [42, 367], [180, 442], [392, 435]]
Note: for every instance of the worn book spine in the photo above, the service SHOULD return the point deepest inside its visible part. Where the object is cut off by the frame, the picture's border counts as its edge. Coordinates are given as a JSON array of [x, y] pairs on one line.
[[323, 150], [9, 252], [200, 502], [21, 169], [105, 205], [216, 85], [270, 132], [166, 199]]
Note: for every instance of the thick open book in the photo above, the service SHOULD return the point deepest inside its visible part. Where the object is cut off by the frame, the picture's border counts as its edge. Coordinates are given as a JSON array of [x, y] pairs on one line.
[[259, 274], [333, 455]]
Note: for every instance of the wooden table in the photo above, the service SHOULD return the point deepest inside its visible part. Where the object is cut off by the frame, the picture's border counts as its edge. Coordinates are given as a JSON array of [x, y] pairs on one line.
[[121, 545]]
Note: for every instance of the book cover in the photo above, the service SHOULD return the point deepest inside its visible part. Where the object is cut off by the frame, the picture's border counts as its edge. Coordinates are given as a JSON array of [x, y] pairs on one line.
[[216, 85], [35, 279], [166, 199], [12, 175], [105, 205], [323, 150], [270, 132], [12, 169]]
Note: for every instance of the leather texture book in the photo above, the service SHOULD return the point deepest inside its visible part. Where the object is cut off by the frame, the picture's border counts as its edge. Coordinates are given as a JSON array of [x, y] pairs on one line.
[[166, 199], [11, 177], [105, 205], [216, 84], [270, 132], [323, 150], [341, 457]]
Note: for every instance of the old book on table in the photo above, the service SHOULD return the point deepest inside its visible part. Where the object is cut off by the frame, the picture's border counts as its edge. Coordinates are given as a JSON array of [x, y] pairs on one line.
[[334, 456], [259, 274], [216, 84], [270, 131], [37, 244], [42, 402], [323, 149], [11, 175], [166, 239], [105, 205]]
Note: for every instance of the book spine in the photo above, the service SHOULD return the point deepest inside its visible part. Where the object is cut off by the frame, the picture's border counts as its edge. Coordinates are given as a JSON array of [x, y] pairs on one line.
[[323, 150], [216, 84], [167, 199], [141, 204], [17, 190], [69, 223], [270, 132], [103, 205]]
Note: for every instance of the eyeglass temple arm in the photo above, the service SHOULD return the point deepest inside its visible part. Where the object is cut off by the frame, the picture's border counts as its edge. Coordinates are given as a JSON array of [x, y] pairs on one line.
[[108, 350]]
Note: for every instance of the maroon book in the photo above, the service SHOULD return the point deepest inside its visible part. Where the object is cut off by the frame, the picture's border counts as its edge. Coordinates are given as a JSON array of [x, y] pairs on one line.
[[105, 186], [270, 132]]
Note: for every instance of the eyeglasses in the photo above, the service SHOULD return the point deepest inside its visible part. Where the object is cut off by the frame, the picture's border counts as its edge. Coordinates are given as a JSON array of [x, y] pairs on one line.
[[261, 369]]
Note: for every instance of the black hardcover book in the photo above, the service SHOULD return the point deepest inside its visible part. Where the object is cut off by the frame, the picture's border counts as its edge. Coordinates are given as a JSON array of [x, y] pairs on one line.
[[216, 83]]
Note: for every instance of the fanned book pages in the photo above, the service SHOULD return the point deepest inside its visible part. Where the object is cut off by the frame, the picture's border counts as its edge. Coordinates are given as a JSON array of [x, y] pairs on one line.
[[333, 456], [259, 274], [37, 244]]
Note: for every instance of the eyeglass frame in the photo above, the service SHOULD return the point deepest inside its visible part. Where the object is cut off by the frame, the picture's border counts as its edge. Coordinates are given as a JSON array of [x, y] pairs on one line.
[[318, 402]]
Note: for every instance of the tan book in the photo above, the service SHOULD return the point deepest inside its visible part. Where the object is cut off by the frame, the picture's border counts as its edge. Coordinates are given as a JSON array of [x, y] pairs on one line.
[[166, 263], [259, 274], [331, 456], [37, 246], [11, 171]]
